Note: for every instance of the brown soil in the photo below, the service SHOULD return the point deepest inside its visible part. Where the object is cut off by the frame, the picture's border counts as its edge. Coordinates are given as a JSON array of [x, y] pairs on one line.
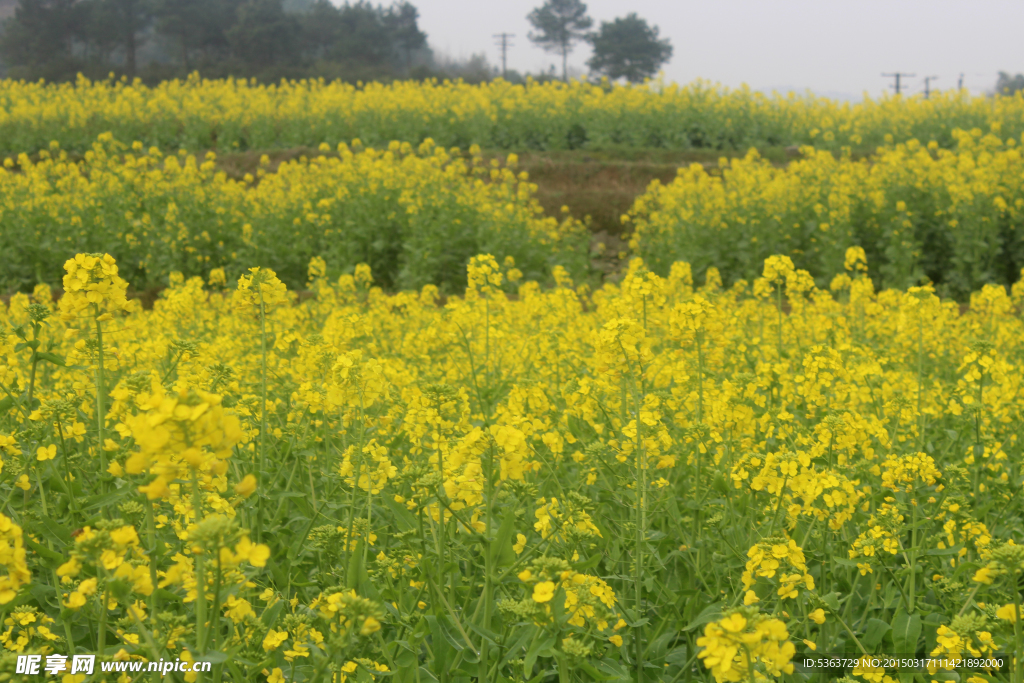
[[597, 187]]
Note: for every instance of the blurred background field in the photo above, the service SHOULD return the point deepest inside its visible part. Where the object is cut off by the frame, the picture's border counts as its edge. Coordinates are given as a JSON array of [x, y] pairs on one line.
[[237, 114], [104, 106]]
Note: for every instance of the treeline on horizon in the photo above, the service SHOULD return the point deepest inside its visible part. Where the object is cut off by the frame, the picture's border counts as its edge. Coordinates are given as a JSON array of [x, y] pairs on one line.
[[157, 40]]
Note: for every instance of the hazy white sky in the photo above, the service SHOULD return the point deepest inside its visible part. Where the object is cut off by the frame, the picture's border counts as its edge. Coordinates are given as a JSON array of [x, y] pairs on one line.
[[834, 47]]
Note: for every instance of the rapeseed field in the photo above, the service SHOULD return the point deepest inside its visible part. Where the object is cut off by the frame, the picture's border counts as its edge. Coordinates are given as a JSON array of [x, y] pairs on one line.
[[654, 480], [237, 114], [951, 217], [415, 215]]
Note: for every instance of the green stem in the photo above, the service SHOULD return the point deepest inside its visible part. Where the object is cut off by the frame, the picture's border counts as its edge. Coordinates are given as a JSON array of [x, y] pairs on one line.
[[197, 506], [349, 547], [263, 415], [488, 562], [1018, 637], [850, 633], [14, 400], [913, 559], [487, 346], [369, 524], [154, 651], [641, 532], [778, 506], [699, 444], [42, 491], [100, 413], [442, 494], [970, 598], [779, 306], [700, 378], [70, 488], [154, 601], [564, 671], [920, 379], [65, 622], [53, 572], [102, 646], [32, 378], [215, 614]]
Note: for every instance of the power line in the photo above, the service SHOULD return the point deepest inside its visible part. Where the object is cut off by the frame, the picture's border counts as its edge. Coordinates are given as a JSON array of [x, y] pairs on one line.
[[897, 76], [927, 85], [503, 40]]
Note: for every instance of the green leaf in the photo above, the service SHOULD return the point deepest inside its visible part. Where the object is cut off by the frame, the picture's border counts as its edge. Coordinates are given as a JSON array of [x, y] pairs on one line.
[[501, 549], [488, 635], [108, 500], [271, 614], [406, 658], [906, 629], [515, 650], [54, 531], [439, 643], [593, 672], [708, 614], [588, 563], [287, 494], [51, 358], [455, 642], [832, 600], [356, 570], [539, 644], [44, 551], [405, 520], [296, 547], [874, 632], [215, 657]]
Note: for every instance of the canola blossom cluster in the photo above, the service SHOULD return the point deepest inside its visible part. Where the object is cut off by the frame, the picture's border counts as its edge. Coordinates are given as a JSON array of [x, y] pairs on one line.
[[237, 114], [415, 215], [658, 479], [919, 211]]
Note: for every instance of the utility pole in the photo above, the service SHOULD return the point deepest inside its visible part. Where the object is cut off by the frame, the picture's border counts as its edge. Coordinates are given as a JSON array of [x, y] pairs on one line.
[[897, 76], [927, 85], [503, 41]]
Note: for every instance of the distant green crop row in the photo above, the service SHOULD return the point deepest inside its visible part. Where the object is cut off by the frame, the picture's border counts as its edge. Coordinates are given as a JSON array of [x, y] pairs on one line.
[[951, 217], [416, 216], [236, 115]]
